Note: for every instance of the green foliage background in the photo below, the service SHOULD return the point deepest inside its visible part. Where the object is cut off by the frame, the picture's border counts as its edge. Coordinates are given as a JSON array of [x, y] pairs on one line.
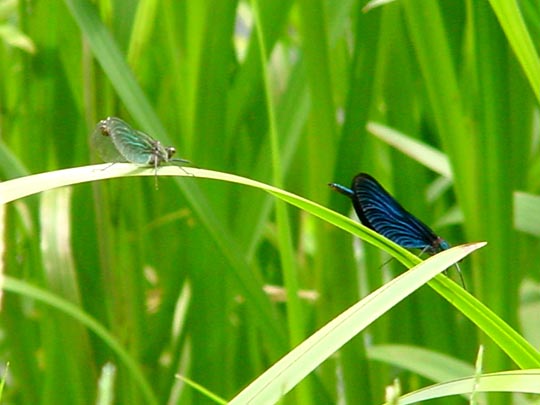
[[177, 275]]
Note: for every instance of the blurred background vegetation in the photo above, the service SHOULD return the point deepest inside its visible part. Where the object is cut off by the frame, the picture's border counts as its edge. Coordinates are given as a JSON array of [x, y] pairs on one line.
[[189, 278]]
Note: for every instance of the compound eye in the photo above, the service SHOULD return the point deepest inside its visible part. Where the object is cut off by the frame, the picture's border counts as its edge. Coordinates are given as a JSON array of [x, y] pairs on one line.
[[103, 127], [170, 152]]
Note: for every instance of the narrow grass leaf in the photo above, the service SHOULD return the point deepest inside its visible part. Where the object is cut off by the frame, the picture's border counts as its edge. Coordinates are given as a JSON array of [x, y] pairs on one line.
[[20, 287], [515, 29], [419, 151], [198, 387], [297, 364], [523, 381], [435, 366]]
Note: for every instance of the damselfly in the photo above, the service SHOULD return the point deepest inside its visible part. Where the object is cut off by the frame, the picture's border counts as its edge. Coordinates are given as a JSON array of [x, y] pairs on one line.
[[116, 141], [379, 211]]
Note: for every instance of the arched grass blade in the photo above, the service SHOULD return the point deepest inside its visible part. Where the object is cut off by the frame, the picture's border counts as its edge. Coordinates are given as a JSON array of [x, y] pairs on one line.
[[297, 364]]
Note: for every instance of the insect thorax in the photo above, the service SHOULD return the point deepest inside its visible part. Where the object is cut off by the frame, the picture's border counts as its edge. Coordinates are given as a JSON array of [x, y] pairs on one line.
[[437, 246], [160, 153]]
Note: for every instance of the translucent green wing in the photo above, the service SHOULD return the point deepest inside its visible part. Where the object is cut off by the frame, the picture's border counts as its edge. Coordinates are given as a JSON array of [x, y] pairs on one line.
[[136, 146], [103, 144], [116, 141]]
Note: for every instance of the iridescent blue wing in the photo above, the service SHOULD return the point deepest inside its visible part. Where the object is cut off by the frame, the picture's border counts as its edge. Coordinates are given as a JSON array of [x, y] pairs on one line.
[[378, 210]]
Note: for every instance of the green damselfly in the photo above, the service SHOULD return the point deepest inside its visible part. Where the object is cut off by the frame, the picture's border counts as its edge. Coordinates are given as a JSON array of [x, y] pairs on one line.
[[116, 141]]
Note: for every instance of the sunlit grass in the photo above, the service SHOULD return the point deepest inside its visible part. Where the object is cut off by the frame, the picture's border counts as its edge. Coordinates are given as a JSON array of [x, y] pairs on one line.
[[438, 101]]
